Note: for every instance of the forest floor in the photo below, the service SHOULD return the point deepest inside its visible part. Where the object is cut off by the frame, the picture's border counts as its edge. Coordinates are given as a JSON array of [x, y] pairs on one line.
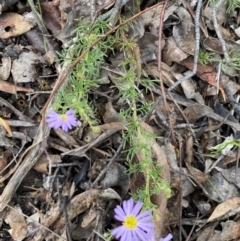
[[105, 101]]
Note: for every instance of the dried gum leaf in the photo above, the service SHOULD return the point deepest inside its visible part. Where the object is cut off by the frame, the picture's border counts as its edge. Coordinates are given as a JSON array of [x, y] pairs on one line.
[[227, 208], [6, 126]]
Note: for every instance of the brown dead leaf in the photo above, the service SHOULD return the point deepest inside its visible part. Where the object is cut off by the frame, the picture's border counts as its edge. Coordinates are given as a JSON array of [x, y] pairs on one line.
[[17, 222], [5, 68], [80, 232], [219, 189], [111, 115], [65, 137], [89, 217], [6, 126], [200, 176], [43, 163], [230, 231], [152, 18], [113, 125], [213, 44], [207, 73], [117, 176], [148, 45], [171, 52], [13, 24], [82, 202], [77, 205], [23, 69], [232, 174], [4, 159], [190, 89], [12, 89], [167, 75], [226, 209], [51, 16], [35, 39], [206, 234], [196, 111], [184, 32]]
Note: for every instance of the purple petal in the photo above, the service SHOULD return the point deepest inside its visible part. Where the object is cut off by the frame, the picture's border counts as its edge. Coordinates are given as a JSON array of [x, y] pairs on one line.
[[74, 120], [52, 120], [125, 208], [55, 124], [134, 236], [119, 211], [151, 235], [64, 126], [70, 112], [119, 231], [141, 234], [124, 236], [129, 235], [68, 125], [146, 224], [137, 208], [130, 205], [52, 114], [167, 238], [148, 227], [73, 124], [51, 125], [144, 214], [146, 219], [119, 218]]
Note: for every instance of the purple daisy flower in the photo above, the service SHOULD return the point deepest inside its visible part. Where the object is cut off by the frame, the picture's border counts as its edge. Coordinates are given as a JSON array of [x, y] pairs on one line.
[[135, 224], [66, 121]]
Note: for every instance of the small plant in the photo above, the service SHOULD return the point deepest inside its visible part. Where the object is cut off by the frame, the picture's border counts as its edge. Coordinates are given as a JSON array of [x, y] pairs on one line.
[[226, 144], [75, 97], [205, 57], [235, 59], [86, 73], [232, 4], [139, 140]]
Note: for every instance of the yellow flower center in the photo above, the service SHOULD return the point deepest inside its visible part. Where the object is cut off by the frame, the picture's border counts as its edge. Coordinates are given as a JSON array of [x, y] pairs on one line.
[[64, 117], [130, 222]]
